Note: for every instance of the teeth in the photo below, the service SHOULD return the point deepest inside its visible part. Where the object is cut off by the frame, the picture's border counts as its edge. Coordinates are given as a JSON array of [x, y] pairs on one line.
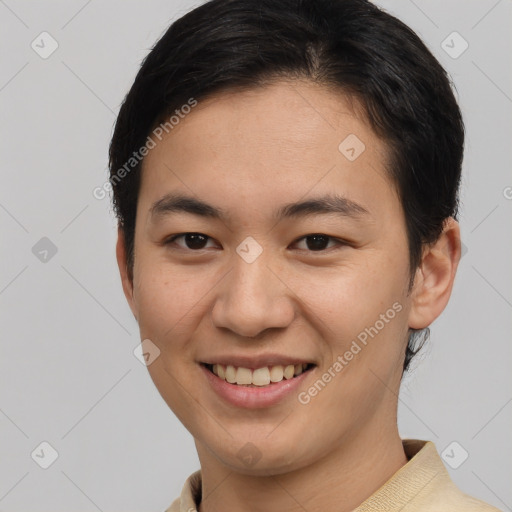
[[243, 376], [276, 373], [231, 374], [288, 371], [260, 377]]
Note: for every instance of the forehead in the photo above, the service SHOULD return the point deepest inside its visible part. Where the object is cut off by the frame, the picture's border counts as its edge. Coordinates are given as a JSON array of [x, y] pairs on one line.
[[260, 145]]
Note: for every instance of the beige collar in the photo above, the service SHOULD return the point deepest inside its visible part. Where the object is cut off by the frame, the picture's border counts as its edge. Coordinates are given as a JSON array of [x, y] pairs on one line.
[[423, 470], [411, 484]]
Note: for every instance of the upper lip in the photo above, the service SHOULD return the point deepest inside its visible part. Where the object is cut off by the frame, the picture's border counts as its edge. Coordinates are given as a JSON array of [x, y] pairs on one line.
[[254, 362]]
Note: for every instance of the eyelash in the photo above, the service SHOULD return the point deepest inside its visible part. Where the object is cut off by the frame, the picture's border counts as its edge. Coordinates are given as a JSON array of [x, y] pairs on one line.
[[340, 243]]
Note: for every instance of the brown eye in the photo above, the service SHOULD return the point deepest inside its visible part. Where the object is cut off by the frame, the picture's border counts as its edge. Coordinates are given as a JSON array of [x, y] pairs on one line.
[[192, 241], [318, 242]]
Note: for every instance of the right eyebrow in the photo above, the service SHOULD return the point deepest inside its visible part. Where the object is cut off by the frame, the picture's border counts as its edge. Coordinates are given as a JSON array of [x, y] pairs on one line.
[[171, 203]]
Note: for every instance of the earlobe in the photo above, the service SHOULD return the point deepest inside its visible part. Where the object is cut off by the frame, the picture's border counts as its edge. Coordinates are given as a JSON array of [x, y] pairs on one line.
[[126, 279], [435, 276]]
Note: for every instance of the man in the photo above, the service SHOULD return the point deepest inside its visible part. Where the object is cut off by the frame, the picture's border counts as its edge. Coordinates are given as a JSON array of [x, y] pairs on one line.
[[286, 176]]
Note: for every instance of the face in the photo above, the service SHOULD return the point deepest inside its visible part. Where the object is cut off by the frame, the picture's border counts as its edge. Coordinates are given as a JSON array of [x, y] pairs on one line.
[[255, 281]]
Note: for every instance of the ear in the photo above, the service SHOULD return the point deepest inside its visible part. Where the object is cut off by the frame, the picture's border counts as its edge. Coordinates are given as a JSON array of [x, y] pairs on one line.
[[434, 277], [126, 278]]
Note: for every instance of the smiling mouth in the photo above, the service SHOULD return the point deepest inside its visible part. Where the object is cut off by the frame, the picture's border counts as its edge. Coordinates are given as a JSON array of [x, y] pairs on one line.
[[260, 377]]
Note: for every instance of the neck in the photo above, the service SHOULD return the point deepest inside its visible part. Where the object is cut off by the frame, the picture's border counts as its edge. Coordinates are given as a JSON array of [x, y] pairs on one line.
[[343, 479]]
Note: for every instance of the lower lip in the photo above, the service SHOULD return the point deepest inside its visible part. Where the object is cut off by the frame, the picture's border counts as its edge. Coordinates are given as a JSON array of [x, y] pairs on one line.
[[254, 397]]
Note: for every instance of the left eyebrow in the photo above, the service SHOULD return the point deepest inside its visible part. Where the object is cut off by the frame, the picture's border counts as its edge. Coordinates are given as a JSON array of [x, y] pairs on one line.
[[327, 204], [332, 203]]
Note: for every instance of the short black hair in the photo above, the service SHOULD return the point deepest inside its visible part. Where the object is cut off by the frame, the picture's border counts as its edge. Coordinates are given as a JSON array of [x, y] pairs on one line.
[[351, 45]]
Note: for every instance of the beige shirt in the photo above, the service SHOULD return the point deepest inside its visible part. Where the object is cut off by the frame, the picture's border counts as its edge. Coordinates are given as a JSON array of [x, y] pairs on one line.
[[421, 485]]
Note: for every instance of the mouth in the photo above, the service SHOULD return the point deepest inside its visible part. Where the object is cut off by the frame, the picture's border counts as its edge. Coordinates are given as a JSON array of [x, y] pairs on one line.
[[266, 376]]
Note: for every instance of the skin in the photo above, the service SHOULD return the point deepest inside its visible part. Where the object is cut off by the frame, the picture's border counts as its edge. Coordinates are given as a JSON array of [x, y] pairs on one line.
[[249, 153]]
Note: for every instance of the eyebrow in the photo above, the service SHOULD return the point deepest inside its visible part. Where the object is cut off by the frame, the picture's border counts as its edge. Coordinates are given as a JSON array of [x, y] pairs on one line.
[[327, 204]]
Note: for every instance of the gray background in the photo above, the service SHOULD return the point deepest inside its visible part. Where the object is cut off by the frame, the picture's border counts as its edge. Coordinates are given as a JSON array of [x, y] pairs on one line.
[[69, 375]]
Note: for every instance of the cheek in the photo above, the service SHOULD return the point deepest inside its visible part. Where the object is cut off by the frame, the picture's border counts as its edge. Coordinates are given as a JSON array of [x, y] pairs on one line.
[[346, 299], [361, 317], [169, 299]]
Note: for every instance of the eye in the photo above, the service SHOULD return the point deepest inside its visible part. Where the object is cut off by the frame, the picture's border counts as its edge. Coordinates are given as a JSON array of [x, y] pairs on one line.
[[319, 242], [315, 242], [192, 241]]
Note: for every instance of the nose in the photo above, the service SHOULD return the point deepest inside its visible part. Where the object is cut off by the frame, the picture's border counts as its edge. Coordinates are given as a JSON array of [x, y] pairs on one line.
[[251, 299]]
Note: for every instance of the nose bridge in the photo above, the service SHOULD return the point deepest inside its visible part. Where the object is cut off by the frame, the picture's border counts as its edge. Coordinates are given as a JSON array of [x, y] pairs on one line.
[[251, 298]]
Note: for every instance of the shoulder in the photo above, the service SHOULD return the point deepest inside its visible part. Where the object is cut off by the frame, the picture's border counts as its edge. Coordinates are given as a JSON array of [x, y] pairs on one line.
[[175, 506], [440, 494], [190, 496], [423, 484], [452, 499]]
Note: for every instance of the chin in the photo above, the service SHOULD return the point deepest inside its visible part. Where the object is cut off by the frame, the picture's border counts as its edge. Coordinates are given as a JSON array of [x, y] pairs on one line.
[[263, 456]]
